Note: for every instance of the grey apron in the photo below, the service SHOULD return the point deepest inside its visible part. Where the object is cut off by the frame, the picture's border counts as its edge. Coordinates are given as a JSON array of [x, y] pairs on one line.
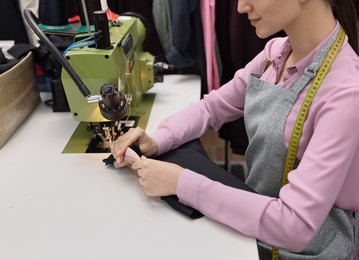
[[266, 109]]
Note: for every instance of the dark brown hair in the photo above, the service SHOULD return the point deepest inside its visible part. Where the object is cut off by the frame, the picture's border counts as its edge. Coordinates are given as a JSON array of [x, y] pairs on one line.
[[344, 12]]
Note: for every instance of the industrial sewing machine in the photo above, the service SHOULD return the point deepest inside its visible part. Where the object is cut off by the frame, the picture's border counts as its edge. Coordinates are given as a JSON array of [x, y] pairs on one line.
[[110, 63]]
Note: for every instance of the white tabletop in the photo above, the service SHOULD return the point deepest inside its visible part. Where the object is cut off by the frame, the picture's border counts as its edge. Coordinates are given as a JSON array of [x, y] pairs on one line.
[[71, 207]]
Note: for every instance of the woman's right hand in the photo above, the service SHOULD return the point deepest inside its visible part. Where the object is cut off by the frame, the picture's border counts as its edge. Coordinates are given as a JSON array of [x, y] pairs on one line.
[[148, 145]]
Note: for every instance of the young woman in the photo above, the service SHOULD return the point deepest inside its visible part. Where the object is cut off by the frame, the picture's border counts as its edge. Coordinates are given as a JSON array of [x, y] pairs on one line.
[[303, 153]]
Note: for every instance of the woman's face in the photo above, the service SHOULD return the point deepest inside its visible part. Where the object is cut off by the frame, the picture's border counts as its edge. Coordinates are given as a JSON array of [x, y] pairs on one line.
[[270, 16]]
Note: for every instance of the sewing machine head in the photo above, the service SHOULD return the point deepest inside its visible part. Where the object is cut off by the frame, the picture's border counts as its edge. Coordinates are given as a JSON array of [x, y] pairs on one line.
[[121, 62], [106, 74]]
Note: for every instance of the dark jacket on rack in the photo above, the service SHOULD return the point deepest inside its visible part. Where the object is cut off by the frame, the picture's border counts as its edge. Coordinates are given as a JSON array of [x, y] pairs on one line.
[[143, 8], [187, 53]]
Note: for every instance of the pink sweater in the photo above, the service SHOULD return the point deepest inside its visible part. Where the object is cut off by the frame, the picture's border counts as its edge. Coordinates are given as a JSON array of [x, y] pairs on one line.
[[327, 175]]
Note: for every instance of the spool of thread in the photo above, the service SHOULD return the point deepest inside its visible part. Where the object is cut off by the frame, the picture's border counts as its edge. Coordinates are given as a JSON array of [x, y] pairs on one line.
[[53, 15]]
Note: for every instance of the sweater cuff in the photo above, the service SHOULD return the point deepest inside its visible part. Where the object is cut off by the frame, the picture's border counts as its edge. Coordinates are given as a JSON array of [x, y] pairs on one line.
[[163, 139], [188, 186]]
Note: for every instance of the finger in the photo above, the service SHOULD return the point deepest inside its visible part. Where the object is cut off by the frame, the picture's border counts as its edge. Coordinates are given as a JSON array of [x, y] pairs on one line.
[[143, 158], [119, 150], [136, 165], [141, 181], [134, 135], [116, 149], [118, 165], [134, 172], [111, 146], [139, 171], [120, 159]]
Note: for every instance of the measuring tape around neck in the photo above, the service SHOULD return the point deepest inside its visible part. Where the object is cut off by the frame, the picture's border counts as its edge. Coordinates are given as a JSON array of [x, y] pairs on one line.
[[302, 116]]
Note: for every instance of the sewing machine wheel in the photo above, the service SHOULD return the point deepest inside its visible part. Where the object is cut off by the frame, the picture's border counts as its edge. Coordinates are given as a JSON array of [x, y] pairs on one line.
[[145, 23]]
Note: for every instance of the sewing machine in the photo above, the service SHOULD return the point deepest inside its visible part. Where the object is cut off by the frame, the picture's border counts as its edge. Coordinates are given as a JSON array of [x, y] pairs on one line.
[[113, 65], [121, 61]]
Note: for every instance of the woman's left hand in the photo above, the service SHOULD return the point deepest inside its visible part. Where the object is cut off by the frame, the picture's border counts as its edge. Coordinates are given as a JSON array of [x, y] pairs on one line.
[[156, 177]]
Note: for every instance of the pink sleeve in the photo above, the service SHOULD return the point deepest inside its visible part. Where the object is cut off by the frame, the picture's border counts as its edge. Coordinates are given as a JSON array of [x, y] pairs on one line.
[[319, 182], [245, 213], [222, 105]]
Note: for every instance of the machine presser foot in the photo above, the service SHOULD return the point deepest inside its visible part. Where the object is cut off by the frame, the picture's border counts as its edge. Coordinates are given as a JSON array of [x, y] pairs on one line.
[[104, 133]]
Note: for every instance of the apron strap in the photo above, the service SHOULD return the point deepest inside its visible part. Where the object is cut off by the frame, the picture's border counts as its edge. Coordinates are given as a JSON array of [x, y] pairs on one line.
[[317, 69]]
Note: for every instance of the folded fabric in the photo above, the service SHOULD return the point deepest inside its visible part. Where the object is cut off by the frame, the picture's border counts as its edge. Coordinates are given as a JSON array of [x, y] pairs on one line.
[[6, 64], [199, 163], [191, 156], [18, 51]]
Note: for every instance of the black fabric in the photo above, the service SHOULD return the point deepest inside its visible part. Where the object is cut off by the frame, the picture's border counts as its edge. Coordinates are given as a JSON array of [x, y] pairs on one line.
[[6, 64], [111, 159], [13, 28], [50, 66], [2, 57], [18, 51], [194, 160], [193, 156], [173, 202], [188, 54], [356, 5], [12, 24]]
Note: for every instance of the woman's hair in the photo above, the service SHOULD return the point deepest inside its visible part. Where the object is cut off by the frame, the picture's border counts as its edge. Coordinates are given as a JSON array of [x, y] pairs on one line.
[[344, 12]]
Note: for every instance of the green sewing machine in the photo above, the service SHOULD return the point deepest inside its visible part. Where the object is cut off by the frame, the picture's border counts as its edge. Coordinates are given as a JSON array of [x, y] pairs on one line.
[[105, 74], [120, 61]]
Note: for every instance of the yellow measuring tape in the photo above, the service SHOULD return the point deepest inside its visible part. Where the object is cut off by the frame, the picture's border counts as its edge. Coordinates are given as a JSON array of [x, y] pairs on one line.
[[303, 113]]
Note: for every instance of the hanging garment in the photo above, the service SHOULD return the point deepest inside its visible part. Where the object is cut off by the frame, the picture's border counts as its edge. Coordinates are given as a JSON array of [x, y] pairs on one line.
[[356, 5], [144, 8], [162, 17], [12, 23], [187, 53], [32, 5], [208, 22]]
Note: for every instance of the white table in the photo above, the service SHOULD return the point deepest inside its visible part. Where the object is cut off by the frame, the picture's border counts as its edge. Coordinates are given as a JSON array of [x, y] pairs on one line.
[[71, 207]]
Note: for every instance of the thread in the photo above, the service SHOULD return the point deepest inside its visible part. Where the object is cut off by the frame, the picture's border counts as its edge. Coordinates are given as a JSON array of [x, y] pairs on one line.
[[53, 15], [53, 12]]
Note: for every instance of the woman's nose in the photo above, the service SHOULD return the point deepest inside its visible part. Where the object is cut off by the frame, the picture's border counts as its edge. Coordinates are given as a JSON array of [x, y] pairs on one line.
[[243, 6]]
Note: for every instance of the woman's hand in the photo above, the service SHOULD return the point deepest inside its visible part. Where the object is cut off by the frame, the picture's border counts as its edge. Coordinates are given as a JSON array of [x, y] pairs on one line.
[[156, 177], [147, 145]]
